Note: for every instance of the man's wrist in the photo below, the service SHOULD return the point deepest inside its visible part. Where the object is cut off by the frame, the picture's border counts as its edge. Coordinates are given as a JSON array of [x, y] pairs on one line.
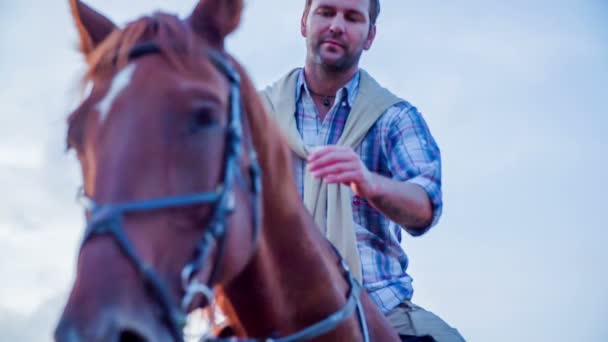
[[374, 188]]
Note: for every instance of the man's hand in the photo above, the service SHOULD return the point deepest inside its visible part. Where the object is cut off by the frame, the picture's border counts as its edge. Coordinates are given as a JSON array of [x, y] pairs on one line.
[[338, 164], [407, 204]]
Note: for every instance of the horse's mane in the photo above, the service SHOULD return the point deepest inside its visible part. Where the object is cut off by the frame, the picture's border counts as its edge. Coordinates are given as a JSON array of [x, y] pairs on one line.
[[275, 157], [178, 45]]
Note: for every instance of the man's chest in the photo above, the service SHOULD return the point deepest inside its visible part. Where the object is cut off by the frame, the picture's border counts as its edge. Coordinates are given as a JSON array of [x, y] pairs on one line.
[[317, 129]]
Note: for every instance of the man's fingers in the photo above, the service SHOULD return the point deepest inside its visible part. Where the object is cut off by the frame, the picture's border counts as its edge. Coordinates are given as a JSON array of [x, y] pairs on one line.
[[321, 151], [330, 158], [334, 169], [345, 178]]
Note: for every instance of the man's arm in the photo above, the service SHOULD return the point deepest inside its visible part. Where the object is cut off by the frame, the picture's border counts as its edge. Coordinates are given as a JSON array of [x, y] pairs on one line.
[[412, 196], [407, 204]]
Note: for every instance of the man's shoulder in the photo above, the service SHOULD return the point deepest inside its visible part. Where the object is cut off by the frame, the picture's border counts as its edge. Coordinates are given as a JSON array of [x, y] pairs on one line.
[[374, 95], [279, 97], [403, 107], [280, 90], [400, 113], [282, 82]]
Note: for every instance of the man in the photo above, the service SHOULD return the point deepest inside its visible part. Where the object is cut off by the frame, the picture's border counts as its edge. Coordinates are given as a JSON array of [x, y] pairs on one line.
[[366, 163]]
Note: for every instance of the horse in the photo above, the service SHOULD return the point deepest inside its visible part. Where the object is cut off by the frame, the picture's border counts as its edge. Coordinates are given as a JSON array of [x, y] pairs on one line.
[[189, 195]]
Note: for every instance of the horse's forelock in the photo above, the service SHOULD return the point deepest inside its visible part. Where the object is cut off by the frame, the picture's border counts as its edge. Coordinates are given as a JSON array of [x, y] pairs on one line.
[[173, 36]]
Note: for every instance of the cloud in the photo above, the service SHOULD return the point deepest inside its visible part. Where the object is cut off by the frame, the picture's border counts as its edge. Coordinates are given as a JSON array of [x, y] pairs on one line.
[[37, 327]]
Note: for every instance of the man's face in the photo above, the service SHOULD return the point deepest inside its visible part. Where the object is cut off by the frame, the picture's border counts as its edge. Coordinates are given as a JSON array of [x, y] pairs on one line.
[[337, 32]]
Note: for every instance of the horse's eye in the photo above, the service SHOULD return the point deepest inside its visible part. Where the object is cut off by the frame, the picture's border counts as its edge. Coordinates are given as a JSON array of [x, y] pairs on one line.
[[202, 118]]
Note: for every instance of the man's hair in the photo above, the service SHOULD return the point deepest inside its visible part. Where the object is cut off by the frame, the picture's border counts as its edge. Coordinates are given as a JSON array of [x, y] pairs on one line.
[[374, 10]]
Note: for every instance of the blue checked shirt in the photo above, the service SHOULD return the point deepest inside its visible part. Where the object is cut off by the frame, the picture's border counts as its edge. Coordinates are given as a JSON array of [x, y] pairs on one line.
[[398, 146]]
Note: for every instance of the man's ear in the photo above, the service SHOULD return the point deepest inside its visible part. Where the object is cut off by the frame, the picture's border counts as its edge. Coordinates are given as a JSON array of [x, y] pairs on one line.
[[93, 27], [215, 19], [370, 37], [303, 22]]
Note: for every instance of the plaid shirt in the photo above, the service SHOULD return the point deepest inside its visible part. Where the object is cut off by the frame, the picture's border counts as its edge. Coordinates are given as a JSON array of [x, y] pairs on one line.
[[398, 146]]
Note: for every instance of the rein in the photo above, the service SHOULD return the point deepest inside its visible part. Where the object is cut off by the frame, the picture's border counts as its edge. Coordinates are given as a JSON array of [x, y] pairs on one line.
[[326, 325], [107, 219]]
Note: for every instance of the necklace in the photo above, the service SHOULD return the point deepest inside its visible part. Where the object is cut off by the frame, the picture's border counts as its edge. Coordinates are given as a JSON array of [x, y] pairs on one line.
[[326, 98]]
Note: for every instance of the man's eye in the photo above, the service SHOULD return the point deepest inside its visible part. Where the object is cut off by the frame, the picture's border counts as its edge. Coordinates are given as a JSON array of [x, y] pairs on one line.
[[354, 18], [325, 12]]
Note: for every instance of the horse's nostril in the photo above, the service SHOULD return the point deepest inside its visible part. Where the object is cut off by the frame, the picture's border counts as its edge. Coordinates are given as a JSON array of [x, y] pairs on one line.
[[131, 336]]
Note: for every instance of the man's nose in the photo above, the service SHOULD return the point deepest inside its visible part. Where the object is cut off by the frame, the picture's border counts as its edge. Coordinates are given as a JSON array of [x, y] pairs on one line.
[[337, 25]]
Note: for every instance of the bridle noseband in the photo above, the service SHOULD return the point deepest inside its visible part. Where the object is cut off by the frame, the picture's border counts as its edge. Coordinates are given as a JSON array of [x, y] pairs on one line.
[[107, 219]]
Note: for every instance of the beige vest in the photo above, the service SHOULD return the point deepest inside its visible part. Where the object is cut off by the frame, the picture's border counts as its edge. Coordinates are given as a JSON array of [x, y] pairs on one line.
[[331, 205]]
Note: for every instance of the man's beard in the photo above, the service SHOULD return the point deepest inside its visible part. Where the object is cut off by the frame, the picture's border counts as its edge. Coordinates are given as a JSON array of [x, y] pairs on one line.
[[346, 62]]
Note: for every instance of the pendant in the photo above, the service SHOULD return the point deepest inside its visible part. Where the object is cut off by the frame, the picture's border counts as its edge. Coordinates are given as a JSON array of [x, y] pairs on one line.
[[326, 101]]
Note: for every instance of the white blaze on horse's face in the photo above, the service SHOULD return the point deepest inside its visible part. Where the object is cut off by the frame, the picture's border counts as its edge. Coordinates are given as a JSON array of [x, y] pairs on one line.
[[88, 89], [119, 83]]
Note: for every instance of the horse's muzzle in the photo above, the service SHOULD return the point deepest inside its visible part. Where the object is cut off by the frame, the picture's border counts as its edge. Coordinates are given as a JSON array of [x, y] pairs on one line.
[[108, 329]]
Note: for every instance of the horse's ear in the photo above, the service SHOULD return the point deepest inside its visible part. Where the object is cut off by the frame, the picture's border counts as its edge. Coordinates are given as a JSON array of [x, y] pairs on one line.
[[215, 19], [93, 27]]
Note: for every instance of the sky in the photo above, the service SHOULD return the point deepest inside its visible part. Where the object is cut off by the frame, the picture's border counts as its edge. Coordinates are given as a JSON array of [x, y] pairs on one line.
[[514, 93]]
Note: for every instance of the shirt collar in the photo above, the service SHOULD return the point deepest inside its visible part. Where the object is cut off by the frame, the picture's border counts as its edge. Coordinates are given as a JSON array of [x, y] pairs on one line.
[[348, 91]]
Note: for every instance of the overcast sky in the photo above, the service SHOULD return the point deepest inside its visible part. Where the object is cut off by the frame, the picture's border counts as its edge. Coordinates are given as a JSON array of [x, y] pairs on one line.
[[513, 91]]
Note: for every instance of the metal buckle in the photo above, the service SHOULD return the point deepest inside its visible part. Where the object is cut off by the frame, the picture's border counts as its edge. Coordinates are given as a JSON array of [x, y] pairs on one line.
[[230, 201], [194, 288]]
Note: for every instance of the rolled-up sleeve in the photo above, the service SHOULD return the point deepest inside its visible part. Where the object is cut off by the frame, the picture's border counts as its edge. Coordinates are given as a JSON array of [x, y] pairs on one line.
[[413, 156]]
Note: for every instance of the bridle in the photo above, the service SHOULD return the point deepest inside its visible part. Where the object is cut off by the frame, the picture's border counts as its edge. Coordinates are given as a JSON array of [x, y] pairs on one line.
[[107, 218]]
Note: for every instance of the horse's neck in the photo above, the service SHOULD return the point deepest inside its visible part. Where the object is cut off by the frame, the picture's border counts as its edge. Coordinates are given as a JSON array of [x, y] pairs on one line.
[[292, 282]]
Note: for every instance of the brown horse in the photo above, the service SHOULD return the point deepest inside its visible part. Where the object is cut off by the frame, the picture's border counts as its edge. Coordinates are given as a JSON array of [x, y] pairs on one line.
[[177, 204]]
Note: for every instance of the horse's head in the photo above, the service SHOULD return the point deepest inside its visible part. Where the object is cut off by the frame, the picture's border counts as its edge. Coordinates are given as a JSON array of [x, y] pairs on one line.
[[166, 155]]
